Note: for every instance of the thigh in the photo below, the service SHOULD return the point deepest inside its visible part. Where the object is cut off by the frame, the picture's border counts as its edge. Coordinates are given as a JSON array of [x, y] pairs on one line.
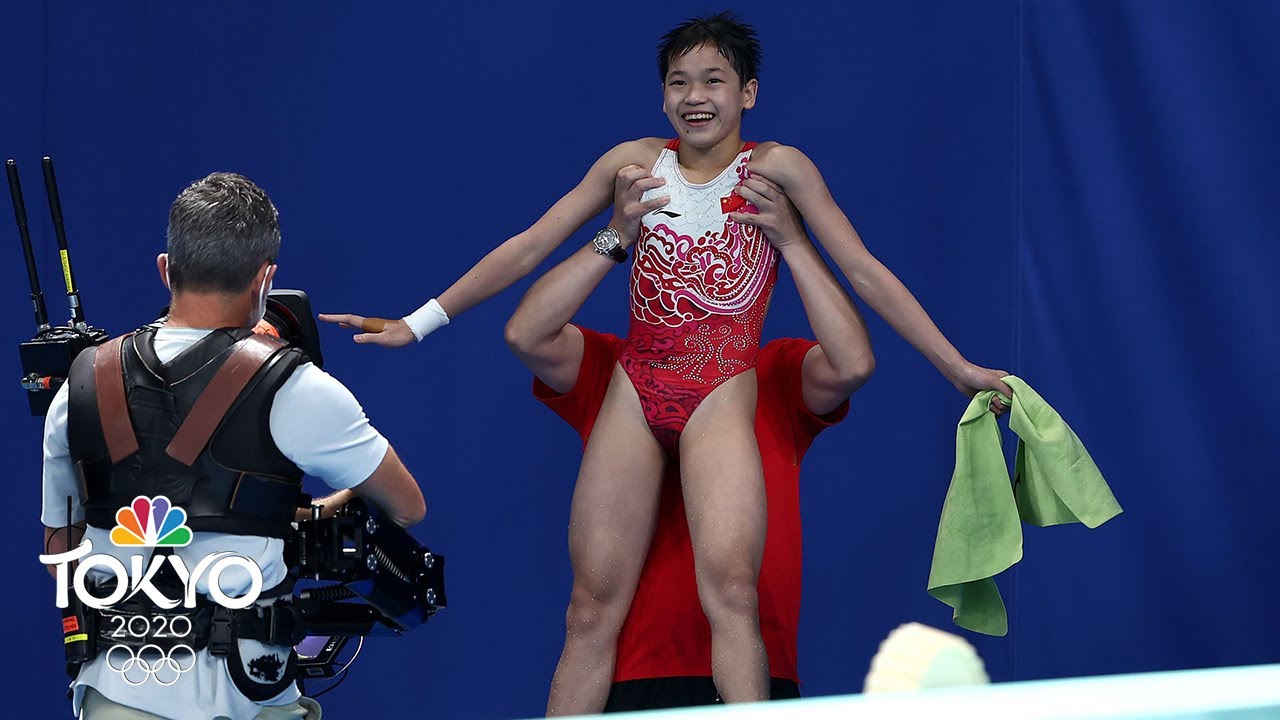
[[722, 477], [615, 501]]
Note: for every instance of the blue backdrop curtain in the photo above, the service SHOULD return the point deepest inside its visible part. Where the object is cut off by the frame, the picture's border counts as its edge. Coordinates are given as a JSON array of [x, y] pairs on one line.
[[1082, 192]]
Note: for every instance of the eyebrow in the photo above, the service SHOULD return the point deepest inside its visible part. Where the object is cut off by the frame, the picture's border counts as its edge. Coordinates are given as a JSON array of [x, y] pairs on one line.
[[704, 71]]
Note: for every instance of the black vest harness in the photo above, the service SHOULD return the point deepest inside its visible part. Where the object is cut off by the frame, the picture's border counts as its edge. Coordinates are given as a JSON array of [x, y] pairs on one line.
[[195, 429]]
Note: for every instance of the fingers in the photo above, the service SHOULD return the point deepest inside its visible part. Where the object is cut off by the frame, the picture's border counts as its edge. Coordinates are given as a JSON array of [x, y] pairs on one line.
[[375, 338], [753, 196], [648, 182], [745, 218], [997, 406], [757, 174], [374, 325], [628, 176], [777, 189], [649, 206], [632, 183], [357, 322], [395, 334], [762, 186], [345, 319]]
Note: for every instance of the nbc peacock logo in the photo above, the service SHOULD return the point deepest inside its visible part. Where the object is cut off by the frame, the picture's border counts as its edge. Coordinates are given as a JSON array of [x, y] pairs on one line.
[[151, 522]]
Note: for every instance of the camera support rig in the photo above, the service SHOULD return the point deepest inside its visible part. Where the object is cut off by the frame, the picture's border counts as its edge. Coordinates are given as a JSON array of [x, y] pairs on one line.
[[387, 582], [46, 357], [398, 583]]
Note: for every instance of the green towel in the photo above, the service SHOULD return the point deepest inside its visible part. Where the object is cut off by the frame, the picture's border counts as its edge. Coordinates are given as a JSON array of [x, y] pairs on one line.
[[979, 534]]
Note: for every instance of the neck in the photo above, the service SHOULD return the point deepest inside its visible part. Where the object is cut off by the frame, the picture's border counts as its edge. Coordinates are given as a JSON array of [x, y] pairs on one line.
[[209, 310], [709, 161]]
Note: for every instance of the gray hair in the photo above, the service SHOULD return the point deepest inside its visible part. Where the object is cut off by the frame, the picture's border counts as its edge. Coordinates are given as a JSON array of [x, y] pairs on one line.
[[221, 230]]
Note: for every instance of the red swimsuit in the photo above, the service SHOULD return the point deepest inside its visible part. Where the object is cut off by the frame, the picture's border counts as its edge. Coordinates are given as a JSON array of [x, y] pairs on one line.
[[699, 288]]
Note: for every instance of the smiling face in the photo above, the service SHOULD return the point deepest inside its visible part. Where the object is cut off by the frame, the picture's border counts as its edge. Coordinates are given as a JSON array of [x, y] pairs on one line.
[[704, 98]]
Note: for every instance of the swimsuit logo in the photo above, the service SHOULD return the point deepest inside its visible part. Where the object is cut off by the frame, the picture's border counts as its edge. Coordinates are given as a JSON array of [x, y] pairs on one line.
[[151, 522]]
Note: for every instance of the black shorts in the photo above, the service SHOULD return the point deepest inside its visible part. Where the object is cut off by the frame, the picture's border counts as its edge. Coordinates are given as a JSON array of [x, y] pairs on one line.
[[674, 692]]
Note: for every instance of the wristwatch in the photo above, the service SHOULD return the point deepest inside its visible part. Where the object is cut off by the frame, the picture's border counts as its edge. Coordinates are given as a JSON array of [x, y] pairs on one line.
[[608, 242]]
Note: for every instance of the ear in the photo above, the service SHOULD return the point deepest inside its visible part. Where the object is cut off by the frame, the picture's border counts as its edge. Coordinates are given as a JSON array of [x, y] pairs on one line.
[[749, 94], [162, 264], [662, 87], [260, 277], [270, 273]]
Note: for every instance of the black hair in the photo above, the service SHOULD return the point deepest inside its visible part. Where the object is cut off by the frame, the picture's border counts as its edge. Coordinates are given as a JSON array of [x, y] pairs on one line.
[[736, 41], [221, 229]]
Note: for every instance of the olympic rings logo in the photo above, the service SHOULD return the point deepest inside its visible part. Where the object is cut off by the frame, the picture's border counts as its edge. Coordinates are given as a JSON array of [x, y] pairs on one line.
[[153, 665]]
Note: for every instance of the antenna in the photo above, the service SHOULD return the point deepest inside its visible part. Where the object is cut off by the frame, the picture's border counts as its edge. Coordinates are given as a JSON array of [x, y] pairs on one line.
[[55, 209], [20, 213], [47, 357]]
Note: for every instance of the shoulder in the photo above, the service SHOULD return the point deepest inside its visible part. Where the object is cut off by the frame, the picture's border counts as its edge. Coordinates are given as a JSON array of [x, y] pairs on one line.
[[55, 419], [312, 408], [781, 162], [306, 376], [643, 152], [318, 424], [309, 391]]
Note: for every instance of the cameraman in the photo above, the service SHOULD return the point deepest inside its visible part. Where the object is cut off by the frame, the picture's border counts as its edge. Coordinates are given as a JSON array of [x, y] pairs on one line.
[[116, 430]]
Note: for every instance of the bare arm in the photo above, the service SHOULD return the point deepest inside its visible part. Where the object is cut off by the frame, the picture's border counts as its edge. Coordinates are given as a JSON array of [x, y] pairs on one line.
[[520, 254], [394, 490], [329, 504], [539, 332], [871, 280], [842, 361]]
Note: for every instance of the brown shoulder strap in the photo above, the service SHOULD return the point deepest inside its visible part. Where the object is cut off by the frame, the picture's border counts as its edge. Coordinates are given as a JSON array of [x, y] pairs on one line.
[[113, 407], [247, 356]]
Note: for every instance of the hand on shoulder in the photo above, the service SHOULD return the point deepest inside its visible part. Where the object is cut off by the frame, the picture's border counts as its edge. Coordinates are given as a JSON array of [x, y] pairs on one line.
[[781, 164], [643, 152]]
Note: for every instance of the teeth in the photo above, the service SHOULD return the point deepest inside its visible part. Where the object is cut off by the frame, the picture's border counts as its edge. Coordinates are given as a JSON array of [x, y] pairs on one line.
[[694, 117]]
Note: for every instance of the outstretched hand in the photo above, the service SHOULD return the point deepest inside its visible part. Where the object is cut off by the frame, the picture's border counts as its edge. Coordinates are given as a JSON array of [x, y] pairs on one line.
[[375, 331], [973, 379]]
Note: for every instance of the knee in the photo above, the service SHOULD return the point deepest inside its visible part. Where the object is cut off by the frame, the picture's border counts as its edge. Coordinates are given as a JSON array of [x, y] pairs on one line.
[[729, 592], [593, 611]]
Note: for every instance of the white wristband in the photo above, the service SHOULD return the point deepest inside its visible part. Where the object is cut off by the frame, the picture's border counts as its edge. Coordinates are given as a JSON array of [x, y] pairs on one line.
[[426, 319]]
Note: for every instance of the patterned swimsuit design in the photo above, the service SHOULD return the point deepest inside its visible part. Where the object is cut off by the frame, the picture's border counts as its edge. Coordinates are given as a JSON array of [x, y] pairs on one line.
[[699, 289]]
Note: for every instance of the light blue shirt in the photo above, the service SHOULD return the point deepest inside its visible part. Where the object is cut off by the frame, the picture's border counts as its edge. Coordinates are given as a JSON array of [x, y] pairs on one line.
[[318, 425]]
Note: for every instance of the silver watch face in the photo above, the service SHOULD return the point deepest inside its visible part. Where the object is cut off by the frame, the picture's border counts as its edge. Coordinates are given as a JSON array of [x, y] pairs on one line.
[[607, 239]]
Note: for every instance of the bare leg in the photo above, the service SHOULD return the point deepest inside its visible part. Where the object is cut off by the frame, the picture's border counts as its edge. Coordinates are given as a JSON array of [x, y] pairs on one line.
[[611, 522], [725, 500]]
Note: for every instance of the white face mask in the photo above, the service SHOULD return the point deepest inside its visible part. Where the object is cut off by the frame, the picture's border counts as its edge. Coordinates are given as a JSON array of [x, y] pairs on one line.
[[261, 311]]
